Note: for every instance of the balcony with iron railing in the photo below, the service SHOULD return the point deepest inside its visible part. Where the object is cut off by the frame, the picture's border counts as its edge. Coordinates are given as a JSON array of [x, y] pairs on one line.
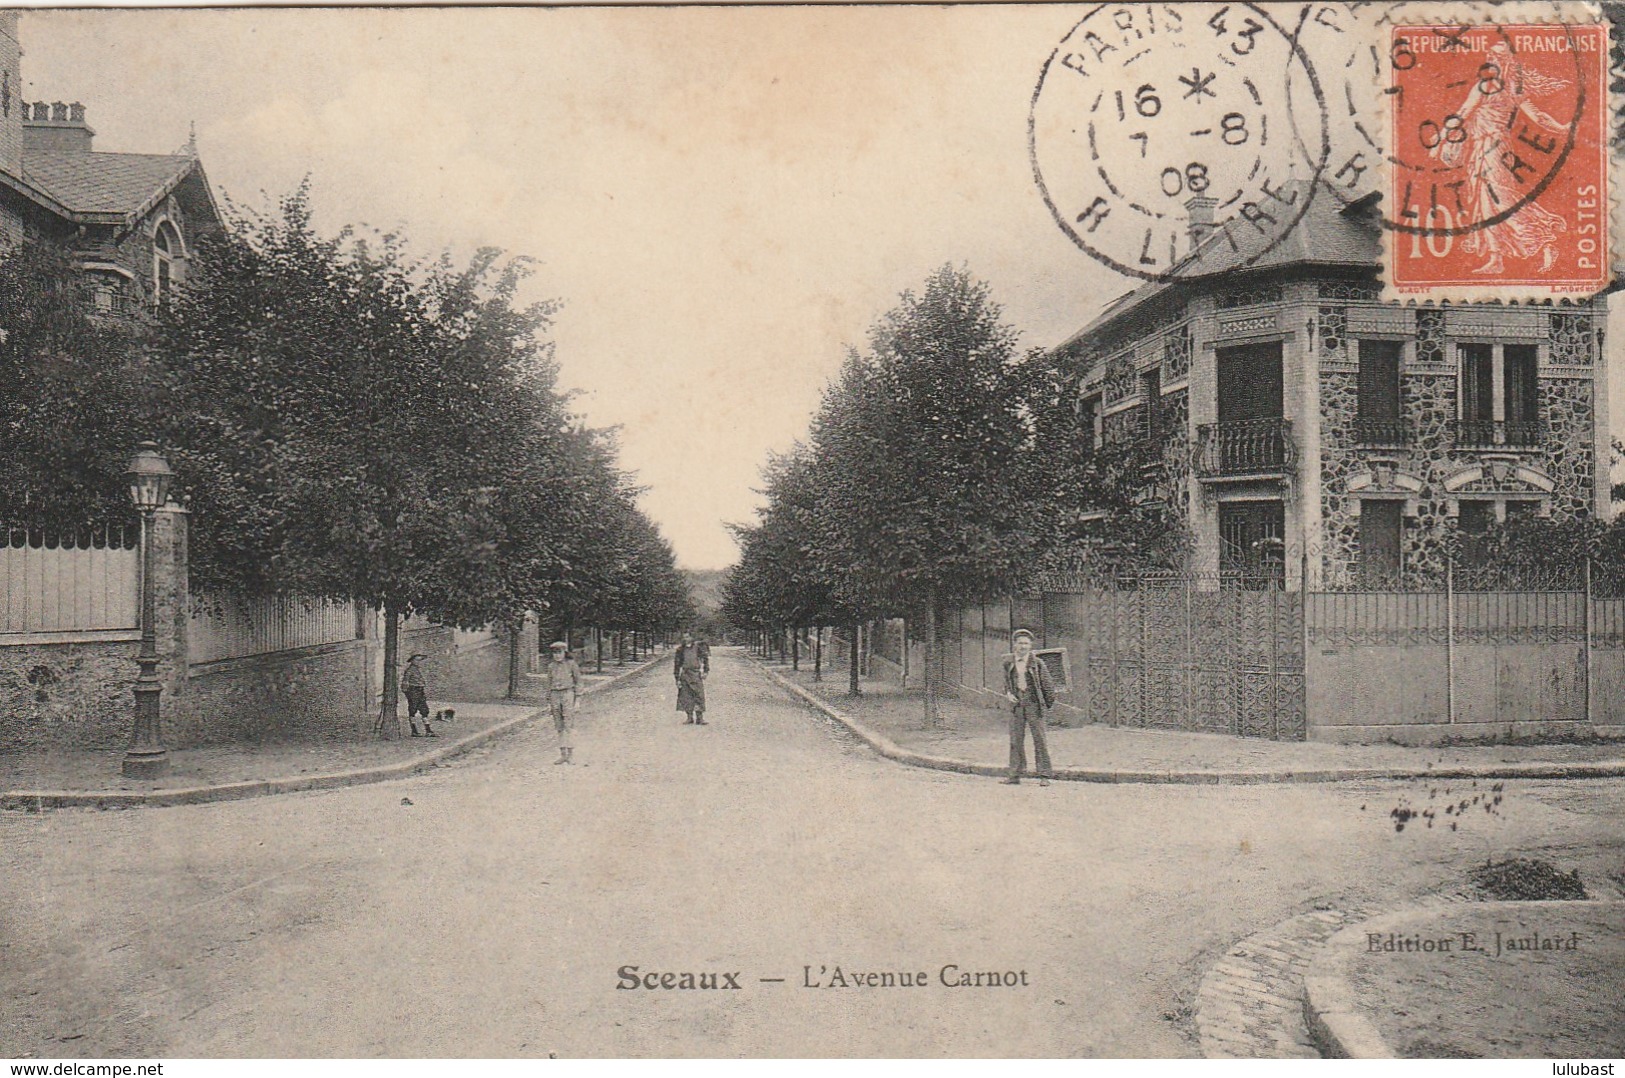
[[1382, 433], [1498, 433], [1248, 449]]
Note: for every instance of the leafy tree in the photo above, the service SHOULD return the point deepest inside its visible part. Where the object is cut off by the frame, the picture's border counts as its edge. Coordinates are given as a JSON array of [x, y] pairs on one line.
[[778, 582], [926, 497], [77, 394], [344, 414]]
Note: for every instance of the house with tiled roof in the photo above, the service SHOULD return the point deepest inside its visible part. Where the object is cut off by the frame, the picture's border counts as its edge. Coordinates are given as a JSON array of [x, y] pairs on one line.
[[126, 219], [1311, 429]]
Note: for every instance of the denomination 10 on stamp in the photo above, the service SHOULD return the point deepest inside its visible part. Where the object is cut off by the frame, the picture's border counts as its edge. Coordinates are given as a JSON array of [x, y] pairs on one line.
[[1499, 178]]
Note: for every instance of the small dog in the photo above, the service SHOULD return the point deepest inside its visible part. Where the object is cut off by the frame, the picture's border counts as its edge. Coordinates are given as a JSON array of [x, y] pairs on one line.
[[445, 714]]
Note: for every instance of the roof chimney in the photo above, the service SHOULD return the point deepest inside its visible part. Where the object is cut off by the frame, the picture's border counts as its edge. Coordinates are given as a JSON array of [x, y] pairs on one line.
[[11, 89], [56, 128], [1200, 209]]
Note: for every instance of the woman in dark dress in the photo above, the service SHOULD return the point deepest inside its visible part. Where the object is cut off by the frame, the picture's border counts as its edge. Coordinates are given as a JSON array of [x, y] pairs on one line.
[[690, 665]]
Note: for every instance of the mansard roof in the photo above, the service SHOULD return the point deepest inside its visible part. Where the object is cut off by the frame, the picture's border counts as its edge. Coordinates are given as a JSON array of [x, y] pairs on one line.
[[1330, 234]]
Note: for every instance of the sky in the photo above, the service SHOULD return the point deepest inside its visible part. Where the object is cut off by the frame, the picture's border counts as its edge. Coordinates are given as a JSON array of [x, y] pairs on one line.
[[723, 199]]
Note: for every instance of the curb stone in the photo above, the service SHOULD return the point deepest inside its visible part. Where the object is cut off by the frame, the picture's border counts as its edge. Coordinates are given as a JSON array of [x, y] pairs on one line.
[[1250, 1004], [1338, 1027], [34, 800], [884, 746]]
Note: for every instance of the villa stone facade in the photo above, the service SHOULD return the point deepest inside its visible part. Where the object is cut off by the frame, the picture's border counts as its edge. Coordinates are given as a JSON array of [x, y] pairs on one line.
[[1310, 427]]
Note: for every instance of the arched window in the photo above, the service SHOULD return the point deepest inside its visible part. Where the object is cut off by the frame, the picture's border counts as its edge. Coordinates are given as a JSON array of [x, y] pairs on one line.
[[168, 261]]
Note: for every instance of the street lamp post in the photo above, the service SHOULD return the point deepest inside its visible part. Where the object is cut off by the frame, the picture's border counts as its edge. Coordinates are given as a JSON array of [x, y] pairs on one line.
[[146, 758]]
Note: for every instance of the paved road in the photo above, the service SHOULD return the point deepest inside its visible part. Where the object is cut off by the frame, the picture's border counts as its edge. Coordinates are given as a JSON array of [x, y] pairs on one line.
[[490, 916]]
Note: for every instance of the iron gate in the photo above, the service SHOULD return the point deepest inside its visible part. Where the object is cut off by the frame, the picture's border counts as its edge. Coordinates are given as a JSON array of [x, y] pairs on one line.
[[1221, 654]]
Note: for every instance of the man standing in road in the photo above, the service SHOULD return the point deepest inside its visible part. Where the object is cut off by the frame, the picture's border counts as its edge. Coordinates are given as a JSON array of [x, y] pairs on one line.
[[563, 694], [1030, 690], [690, 665]]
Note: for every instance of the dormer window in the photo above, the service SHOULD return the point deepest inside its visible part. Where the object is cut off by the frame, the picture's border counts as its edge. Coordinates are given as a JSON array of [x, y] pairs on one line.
[[168, 262], [110, 293]]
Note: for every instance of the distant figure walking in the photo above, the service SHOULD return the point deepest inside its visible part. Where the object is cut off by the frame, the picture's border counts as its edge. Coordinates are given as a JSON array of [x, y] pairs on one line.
[[563, 694], [690, 665], [415, 684], [1030, 690]]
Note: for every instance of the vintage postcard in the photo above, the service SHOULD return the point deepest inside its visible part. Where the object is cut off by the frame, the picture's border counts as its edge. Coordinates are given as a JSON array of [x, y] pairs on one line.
[[811, 531]]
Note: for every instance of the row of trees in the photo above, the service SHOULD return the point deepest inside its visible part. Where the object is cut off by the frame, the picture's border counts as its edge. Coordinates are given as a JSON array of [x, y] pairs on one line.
[[925, 480], [348, 422]]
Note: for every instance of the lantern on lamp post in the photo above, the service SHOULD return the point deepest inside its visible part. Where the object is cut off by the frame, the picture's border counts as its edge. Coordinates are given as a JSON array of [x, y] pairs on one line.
[[146, 758]]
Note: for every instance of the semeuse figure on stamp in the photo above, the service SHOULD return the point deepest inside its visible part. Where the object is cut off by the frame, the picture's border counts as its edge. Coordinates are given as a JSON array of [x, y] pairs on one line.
[[415, 684], [563, 695], [690, 665], [1488, 115], [1031, 691]]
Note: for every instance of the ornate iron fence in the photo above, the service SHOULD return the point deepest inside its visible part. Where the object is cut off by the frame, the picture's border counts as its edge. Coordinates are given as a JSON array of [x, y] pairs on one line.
[[1219, 653]]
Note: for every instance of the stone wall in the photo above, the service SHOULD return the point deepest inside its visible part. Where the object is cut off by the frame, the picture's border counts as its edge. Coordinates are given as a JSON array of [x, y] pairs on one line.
[[67, 692], [479, 672], [54, 695], [317, 693]]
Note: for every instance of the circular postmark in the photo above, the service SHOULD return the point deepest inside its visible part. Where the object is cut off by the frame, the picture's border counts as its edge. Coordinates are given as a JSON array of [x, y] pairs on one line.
[[1338, 36], [1483, 121], [1163, 144]]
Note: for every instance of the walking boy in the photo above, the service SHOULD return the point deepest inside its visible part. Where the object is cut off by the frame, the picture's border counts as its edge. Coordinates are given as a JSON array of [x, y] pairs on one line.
[[415, 683], [563, 693]]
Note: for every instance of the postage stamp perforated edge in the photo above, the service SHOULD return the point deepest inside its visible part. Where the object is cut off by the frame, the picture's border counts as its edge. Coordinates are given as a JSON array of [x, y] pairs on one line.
[[1456, 14]]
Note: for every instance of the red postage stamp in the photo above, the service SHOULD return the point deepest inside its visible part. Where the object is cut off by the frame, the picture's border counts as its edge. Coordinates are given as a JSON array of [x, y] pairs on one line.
[[1498, 184]]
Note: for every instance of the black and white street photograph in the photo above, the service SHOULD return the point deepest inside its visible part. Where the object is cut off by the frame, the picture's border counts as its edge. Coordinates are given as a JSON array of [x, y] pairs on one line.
[[812, 532]]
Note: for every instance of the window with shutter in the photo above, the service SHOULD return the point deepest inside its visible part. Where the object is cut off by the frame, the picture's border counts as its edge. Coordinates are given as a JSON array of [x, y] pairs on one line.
[[1521, 394], [1381, 523], [1477, 425], [1474, 522], [1151, 395], [1378, 402]]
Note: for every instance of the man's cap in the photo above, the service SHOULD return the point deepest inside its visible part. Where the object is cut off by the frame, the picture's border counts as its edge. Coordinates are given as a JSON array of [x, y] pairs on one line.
[[559, 645], [416, 655], [1028, 633]]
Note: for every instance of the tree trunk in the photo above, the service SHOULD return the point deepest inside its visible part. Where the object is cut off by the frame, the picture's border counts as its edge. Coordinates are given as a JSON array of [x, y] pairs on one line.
[[818, 653], [903, 649], [933, 661], [389, 716], [515, 631], [795, 649], [852, 687], [620, 648], [598, 643]]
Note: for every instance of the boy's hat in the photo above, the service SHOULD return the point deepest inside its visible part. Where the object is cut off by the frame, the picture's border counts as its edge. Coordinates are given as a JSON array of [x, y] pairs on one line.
[[416, 655], [559, 645], [1028, 633]]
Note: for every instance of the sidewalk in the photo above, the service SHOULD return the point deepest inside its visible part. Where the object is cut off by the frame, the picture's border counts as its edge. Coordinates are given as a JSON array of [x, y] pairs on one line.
[[64, 778], [977, 740]]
